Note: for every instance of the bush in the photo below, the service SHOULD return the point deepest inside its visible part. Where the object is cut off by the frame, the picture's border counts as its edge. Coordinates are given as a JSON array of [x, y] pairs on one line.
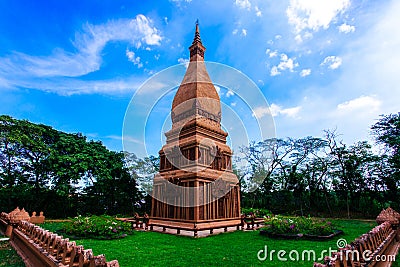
[[256, 212], [298, 225], [97, 227]]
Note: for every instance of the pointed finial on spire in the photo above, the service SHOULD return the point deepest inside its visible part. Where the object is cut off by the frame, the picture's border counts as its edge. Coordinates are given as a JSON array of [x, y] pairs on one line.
[[197, 33], [197, 47]]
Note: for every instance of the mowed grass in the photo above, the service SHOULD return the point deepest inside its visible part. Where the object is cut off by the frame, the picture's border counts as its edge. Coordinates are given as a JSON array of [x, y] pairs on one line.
[[8, 256], [238, 248]]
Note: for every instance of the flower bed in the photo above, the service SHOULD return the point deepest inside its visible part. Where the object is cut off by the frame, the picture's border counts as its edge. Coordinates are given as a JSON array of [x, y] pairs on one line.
[[299, 227], [97, 227]]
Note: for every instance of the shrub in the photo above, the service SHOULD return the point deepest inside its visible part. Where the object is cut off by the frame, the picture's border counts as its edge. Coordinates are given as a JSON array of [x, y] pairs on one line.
[[256, 212], [97, 227], [298, 225]]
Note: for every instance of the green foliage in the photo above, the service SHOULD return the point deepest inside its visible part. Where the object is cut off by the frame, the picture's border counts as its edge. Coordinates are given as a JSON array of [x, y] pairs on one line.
[[60, 173], [64, 174], [97, 227], [298, 225], [387, 133], [8, 256], [321, 176], [257, 212]]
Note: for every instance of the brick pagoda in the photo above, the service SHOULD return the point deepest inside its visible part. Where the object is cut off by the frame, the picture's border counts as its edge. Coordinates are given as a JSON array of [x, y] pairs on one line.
[[195, 188]]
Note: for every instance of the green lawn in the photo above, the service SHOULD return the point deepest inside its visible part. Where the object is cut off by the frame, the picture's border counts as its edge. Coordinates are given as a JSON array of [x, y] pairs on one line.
[[8, 256], [230, 249]]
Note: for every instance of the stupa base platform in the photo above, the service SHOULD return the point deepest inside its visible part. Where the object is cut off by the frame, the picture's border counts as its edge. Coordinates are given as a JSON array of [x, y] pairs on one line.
[[196, 229]]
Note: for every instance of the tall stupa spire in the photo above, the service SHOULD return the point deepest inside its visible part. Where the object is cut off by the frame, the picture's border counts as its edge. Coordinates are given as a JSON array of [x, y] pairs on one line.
[[197, 48], [197, 38], [196, 95], [196, 188]]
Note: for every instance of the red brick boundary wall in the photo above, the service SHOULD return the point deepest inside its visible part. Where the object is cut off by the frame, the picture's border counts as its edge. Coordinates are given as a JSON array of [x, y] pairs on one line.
[[377, 248], [39, 247]]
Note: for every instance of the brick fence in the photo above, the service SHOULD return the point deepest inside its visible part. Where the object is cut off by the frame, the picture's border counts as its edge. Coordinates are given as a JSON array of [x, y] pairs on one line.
[[39, 247], [376, 248]]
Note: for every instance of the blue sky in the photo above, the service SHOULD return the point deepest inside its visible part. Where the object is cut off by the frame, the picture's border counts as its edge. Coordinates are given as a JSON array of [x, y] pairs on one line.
[[75, 65]]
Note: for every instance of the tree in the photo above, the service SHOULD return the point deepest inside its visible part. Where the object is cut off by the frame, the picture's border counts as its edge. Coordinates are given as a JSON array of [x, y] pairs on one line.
[[144, 169], [311, 175], [306, 149], [259, 163], [387, 133], [113, 186], [10, 151], [61, 173]]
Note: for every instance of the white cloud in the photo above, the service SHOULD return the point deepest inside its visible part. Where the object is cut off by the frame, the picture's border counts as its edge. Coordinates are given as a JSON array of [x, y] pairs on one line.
[[290, 112], [362, 103], [60, 71], [229, 93], [180, 2], [73, 86], [298, 38], [275, 71], [273, 54], [345, 28], [258, 11], [4, 83], [243, 32], [217, 88], [260, 112], [125, 138], [314, 14], [286, 63], [276, 110], [134, 59], [183, 61], [88, 43], [245, 4], [363, 89], [305, 72], [372, 61], [333, 62]]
